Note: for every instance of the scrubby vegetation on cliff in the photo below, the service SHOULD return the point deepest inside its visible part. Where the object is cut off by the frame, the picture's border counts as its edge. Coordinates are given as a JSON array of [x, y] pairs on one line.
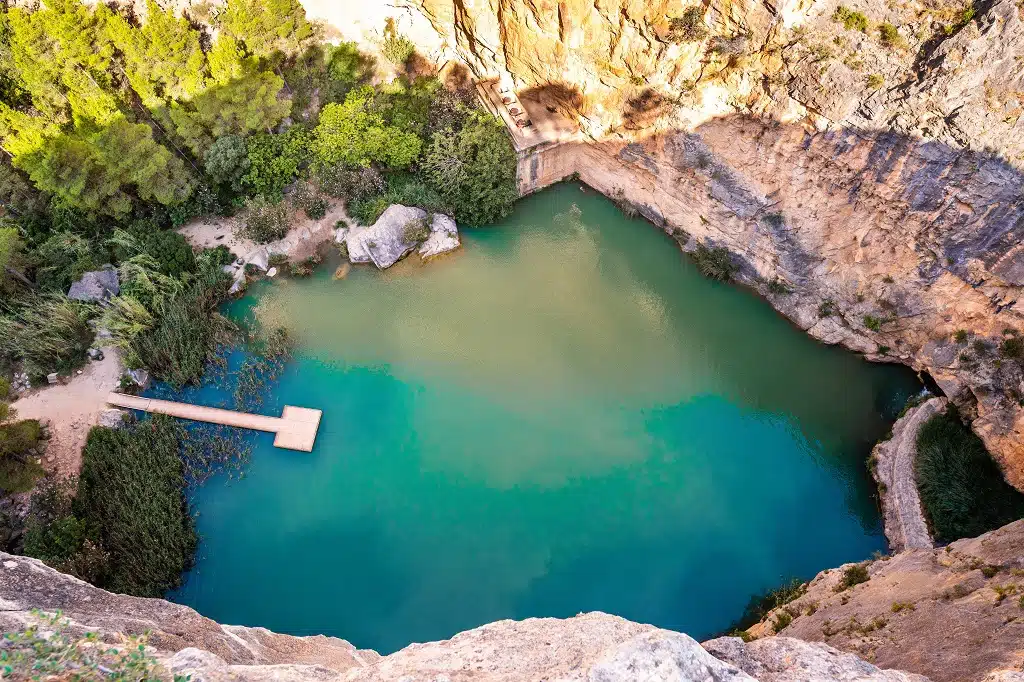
[[961, 487]]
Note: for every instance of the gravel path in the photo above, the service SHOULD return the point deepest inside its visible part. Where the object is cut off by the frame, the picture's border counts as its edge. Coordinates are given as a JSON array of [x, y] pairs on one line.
[[905, 525]]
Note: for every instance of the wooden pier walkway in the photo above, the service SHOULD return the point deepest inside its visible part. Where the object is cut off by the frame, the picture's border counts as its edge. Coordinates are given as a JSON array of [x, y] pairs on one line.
[[296, 427]]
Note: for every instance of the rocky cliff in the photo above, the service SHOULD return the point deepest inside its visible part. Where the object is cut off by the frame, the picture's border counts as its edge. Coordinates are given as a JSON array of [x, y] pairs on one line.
[[594, 647], [953, 614], [861, 160]]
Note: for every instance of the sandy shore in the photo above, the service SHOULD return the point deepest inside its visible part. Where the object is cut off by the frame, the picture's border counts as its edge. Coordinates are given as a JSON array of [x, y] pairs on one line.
[[72, 408]]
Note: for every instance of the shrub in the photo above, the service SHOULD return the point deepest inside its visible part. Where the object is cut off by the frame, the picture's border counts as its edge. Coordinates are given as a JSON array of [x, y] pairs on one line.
[[18, 467], [132, 487], [853, 575], [714, 262], [474, 170], [962, 489], [407, 190], [689, 27], [960, 336], [782, 619], [761, 605], [873, 323], [827, 308], [852, 20], [898, 606], [226, 161], [778, 287], [311, 203], [50, 332], [775, 220], [875, 81], [5, 388], [265, 221], [890, 36], [396, 48], [171, 251], [1012, 347], [274, 161], [350, 184], [355, 134], [416, 231], [46, 650]]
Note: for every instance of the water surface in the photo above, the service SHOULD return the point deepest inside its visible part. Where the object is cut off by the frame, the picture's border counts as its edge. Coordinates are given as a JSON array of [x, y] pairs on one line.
[[563, 417]]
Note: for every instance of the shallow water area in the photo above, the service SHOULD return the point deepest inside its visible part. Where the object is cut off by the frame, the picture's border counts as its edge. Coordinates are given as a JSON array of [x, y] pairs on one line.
[[564, 416]]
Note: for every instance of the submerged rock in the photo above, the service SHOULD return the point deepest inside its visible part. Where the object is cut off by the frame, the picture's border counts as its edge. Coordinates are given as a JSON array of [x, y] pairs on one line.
[[388, 240], [97, 286], [444, 237]]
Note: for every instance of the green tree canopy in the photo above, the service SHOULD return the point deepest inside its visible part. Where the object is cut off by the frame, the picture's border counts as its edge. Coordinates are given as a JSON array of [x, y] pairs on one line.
[[274, 161], [266, 26], [226, 161], [62, 54], [353, 134], [162, 59], [474, 170], [238, 107], [99, 172]]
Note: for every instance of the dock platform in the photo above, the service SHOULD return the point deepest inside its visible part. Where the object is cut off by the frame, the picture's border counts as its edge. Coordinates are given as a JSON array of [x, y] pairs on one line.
[[295, 429]]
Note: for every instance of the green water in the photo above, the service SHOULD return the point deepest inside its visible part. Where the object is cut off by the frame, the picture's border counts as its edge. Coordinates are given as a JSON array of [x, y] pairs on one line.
[[563, 417]]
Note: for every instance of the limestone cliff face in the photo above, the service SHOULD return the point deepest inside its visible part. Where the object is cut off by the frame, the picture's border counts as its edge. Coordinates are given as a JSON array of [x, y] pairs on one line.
[[952, 614], [595, 647]]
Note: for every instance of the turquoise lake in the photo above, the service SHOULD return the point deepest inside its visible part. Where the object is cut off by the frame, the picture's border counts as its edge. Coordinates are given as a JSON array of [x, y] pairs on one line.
[[565, 416]]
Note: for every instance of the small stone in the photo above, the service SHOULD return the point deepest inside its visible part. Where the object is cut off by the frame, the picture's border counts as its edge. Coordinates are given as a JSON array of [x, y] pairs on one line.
[[52, 378], [272, 272], [10, 564], [140, 377], [79, 372], [95, 354]]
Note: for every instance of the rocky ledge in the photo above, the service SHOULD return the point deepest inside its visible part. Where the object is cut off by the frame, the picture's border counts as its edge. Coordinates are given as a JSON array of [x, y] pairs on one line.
[[596, 647]]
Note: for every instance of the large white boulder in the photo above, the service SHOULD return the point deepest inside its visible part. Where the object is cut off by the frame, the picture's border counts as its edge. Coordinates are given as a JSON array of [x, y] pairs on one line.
[[386, 241], [444, 237]]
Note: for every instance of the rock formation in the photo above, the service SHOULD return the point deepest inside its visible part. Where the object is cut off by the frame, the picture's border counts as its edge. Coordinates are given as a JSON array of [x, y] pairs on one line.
[[397, 232], [595, 647], [953, 614]]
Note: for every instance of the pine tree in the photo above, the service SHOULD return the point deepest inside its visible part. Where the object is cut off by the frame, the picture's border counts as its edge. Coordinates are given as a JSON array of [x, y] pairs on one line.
[[62, 54], [163, 59], [238, 107], [266, 26]]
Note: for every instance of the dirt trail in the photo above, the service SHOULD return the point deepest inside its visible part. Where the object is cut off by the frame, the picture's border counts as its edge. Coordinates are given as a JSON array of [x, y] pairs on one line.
[[72, 408]]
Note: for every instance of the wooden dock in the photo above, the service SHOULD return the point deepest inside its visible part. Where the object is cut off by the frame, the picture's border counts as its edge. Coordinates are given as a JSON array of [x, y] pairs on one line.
[[296, 427]]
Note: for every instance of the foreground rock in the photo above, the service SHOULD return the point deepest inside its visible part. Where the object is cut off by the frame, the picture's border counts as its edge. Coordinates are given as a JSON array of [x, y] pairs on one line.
[[953, 614], [388, 240], [893, 469], [595, 647]]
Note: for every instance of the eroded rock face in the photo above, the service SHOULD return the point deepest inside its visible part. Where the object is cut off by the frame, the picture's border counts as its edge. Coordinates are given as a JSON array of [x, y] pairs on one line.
[[595, 647], [952, 614]]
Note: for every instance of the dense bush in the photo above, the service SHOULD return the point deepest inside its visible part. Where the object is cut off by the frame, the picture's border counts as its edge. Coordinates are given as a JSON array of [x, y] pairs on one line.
[[171, 251], [407, 190], [265, 221], [962, 489], [18, 467], [275, 160], [851, 19], [355, 134], [351, 184], [132, 490], [310, 202], [227, 161], [474, 170], [62, 259]]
